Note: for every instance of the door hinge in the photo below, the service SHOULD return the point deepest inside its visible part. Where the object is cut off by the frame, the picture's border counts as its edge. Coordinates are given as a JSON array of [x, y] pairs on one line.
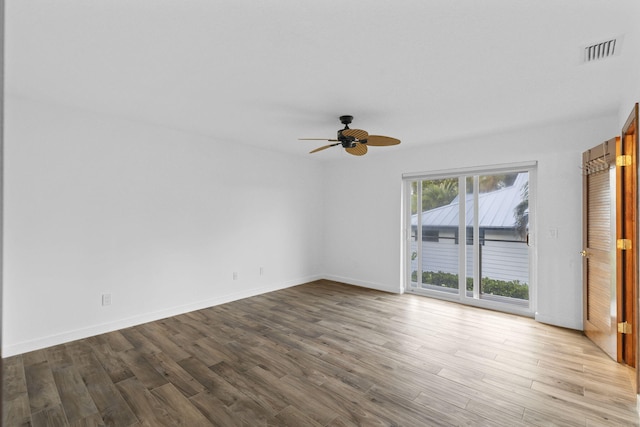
[[623, 244], [624, 328], [624, 160]]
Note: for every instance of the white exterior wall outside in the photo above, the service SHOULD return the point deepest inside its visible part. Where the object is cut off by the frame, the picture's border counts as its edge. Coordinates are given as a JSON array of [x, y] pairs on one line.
[[500, 260]]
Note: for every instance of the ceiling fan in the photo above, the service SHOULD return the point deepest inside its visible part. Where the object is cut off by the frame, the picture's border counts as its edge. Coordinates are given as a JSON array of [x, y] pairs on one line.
[[354, 141]]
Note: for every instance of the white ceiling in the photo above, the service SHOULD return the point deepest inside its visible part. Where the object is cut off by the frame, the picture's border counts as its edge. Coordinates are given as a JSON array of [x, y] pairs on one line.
[[266, 73]]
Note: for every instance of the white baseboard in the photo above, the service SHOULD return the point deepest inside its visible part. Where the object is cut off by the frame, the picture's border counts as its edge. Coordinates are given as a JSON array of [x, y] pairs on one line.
[[371, 285], [51, 340]]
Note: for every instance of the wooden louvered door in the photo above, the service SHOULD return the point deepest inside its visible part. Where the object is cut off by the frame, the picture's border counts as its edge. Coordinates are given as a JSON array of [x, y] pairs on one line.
[[627, 232], [599, 265], [610, 238]]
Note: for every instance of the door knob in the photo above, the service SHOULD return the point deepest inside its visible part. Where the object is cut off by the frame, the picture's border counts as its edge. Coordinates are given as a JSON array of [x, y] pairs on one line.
[[583, 253]]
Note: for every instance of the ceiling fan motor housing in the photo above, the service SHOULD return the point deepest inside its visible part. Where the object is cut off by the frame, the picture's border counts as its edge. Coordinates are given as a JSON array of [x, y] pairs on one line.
[[347, 141]]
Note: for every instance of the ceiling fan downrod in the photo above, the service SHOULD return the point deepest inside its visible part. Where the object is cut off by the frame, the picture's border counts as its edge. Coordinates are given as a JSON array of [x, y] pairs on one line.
[[347, 141]]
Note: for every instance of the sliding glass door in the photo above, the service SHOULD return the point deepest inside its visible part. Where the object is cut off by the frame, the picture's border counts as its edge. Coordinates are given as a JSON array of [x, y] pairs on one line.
[[469, 237]]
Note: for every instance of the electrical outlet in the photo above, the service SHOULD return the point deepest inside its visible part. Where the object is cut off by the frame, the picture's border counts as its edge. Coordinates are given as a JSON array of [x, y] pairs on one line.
[[261, 271], [235, 275], [106, 299]]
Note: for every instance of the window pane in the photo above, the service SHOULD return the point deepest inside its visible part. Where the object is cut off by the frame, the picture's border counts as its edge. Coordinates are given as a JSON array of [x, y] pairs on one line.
[[503, 210], [439, 214]]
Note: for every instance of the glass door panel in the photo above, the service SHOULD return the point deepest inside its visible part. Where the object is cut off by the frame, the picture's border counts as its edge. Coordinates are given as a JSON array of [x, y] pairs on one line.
[[434, 235], [503, 230]]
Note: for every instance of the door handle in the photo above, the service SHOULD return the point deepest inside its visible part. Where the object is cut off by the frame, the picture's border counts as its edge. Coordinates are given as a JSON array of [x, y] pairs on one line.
[[584, 254]]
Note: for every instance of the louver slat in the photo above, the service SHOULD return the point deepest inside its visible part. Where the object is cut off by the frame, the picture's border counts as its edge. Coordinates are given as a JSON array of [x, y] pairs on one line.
[[600, 50]]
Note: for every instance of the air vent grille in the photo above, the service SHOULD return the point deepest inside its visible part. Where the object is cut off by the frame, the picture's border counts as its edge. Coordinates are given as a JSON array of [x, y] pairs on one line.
[[600, 51]]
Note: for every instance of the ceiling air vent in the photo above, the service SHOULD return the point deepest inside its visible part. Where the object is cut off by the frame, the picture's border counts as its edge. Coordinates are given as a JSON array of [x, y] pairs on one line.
[[600, 50]]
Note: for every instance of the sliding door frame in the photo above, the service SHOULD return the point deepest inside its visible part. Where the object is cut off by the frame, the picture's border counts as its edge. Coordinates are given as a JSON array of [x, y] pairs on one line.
[[461, 174]]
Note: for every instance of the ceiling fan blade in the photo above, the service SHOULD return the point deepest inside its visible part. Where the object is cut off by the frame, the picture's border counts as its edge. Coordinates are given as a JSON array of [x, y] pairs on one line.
[[356, 133], [324, 147], [381, 141], [358, 150], [317, 139]]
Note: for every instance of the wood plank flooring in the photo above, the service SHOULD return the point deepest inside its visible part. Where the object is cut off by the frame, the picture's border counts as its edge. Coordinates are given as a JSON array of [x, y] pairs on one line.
[[323, 354]]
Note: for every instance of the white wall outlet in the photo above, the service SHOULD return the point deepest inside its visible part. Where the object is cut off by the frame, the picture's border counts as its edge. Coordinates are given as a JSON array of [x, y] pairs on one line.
[[106, 299], [235, 275], [261, 271], [552, 233]]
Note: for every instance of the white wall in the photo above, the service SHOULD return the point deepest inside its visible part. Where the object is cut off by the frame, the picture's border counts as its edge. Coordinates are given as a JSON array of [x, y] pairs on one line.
[[158, 218], [161, 219], [363, 200], [632, 63]]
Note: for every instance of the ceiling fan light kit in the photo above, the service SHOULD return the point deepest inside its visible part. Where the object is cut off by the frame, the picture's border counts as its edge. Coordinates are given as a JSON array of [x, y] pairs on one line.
[[354, 141]]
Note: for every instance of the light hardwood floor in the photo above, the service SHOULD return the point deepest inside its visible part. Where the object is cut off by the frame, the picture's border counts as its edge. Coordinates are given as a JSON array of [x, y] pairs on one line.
[[323, 354]]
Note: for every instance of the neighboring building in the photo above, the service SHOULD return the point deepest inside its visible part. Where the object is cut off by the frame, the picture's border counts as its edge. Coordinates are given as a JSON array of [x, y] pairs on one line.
[[504, 250]]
